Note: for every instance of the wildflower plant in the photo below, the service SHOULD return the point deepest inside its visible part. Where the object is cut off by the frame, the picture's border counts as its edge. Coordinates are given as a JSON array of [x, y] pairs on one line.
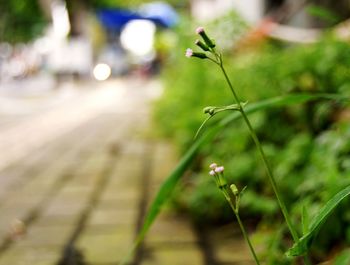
[[209, 47], [232, 195]]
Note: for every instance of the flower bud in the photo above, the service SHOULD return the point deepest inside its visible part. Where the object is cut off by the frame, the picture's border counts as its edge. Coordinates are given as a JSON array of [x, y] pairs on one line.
[[234, 189], [199, 55], [213, 166], [219, 169], [199, 30], [212, 173], [189, 53], [201, 45], [209, 110], [207, 40]]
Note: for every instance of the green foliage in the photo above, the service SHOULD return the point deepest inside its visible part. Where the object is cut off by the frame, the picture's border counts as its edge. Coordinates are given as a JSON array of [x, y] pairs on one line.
[[304, 244], [343, 258], [323, 14], [20, 20], [308, 144]]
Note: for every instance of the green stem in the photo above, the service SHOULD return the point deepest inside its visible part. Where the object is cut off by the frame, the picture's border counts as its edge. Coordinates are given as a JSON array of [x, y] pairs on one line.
[[263, 156], [244, 232], [272, 180]]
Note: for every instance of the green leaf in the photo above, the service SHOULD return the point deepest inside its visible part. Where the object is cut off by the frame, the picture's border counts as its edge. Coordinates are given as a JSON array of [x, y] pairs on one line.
[[343, 258], [301, 247], [169, 184], [305, 220], [202, 126]]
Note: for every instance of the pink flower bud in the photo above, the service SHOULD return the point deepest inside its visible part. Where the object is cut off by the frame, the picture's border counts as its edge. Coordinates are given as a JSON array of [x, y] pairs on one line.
[[213, 166], [212, 173], [189, 53], [219, 169], [199, 30]]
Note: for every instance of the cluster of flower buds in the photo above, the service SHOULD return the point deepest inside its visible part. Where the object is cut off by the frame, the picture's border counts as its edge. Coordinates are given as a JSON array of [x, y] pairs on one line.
[[207, 45], [218, 172], [231, 193], [215, 169]]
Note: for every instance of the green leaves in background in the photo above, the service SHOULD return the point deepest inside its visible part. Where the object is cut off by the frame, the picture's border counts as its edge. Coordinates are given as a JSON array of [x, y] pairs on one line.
[[21, 20], [323, 14], [305, 242]]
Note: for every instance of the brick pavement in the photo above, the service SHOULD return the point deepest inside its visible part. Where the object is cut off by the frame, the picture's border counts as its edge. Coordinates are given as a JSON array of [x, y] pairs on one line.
[[73, 191]]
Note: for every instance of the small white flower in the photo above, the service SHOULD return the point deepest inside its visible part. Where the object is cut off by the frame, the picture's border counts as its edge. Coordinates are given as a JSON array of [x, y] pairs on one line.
[[213, 166], [212, 173], [189, 53], [219, 169]]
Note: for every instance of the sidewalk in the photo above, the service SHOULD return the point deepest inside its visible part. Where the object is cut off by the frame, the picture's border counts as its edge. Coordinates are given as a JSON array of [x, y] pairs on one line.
[[75, 181]]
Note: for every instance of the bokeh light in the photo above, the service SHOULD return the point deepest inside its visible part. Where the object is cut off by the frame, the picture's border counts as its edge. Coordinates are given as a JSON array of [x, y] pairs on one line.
[[138, 37], [102, 71]]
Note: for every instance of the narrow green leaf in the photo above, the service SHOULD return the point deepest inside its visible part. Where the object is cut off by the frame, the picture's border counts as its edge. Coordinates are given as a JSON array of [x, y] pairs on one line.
[[305, 220], [281, 101], [301, 247], [169, 184], [202, 126]]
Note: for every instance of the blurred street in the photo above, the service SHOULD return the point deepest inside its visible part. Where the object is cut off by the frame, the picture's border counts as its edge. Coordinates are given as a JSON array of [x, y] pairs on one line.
[[77, 172]]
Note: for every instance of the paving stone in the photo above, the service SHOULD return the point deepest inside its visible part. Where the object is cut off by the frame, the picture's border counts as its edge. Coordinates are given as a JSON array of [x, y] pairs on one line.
[[105, 247], [31, 256], [78, 190], [24, 199], [118, 203], [128, 171], [181, 255], [58, 220], [229, 245], [91, 169], [164, 161], [59, 208], [170, 229], [113, 217], [133, 147], [49, 236], [127, 194], [72, 195], [233, 251], [8, 215]]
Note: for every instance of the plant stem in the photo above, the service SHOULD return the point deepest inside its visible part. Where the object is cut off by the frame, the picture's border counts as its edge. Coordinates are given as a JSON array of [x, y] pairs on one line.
[[272, 180], [244, 232], [263, 156]]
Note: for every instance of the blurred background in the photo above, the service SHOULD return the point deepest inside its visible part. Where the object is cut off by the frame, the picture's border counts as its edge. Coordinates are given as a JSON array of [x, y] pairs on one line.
[[98, 102]]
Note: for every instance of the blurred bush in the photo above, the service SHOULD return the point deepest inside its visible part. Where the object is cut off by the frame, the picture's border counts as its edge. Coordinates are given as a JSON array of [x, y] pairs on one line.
[[308, 145]]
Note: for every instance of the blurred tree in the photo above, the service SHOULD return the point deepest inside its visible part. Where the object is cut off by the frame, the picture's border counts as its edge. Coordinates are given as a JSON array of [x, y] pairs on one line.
[[21, 20]]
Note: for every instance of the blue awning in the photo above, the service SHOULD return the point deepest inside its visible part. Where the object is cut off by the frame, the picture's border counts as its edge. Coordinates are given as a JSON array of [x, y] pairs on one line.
[[160, 13], [115, 19]]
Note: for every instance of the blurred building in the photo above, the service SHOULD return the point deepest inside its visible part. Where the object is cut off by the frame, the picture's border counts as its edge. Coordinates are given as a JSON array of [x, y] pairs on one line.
[[251, 10], [299, 13]]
